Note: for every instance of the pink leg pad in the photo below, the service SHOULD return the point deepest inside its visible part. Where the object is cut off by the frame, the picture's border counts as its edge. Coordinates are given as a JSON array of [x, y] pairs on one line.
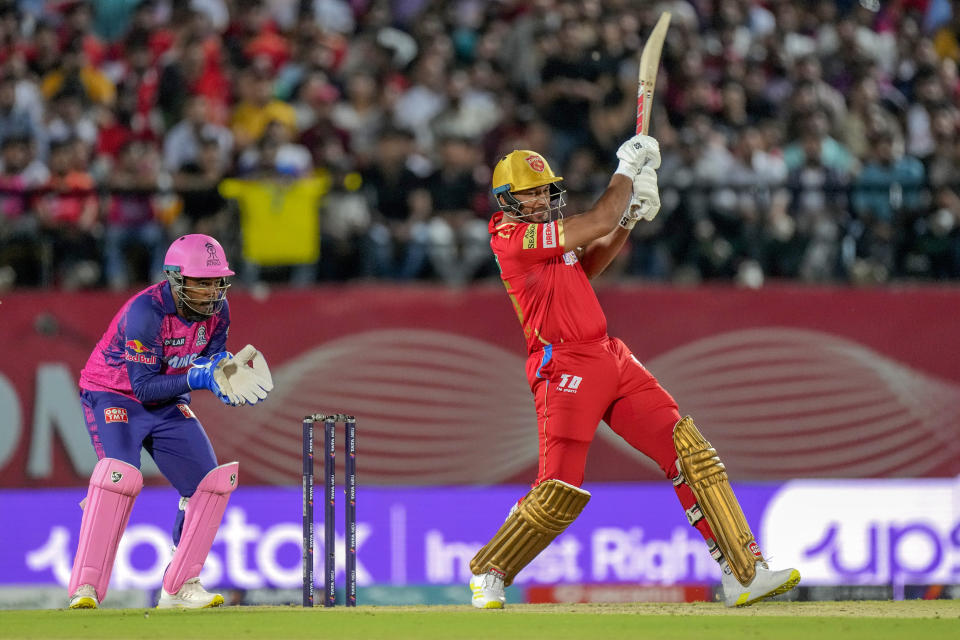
[[204, 513], [114, 485]]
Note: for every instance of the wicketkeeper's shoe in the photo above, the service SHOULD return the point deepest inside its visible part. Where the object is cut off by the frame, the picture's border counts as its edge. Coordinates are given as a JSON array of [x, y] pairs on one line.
[[85, 597], [488, 591], [191, 595], [765, 584]]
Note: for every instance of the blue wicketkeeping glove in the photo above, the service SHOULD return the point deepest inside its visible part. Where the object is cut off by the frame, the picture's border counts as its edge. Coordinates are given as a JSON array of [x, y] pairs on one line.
[[207, 373]]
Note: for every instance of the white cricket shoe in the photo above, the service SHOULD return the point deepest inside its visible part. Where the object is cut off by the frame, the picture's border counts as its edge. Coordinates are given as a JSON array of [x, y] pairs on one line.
[[85, 597], [488, 591], [765, 584], [192, 595]]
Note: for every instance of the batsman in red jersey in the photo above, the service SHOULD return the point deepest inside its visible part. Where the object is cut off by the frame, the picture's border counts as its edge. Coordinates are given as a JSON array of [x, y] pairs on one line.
[[580, 375]]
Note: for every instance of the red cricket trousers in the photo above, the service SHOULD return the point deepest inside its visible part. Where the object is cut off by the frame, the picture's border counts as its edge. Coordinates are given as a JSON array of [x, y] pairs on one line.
[[575, 385]]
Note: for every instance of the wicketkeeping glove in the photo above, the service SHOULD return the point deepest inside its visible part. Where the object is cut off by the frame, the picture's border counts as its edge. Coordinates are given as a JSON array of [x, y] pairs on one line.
[[207, 373], [251, 383], [638, 152]]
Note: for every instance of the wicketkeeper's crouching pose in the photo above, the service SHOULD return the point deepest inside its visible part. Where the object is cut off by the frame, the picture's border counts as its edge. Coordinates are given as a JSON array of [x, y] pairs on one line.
[[165, 341], [580, 375]]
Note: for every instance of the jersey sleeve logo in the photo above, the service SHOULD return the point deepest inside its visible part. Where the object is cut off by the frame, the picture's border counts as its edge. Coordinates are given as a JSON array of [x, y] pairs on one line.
[[549, 235], [530, 237]]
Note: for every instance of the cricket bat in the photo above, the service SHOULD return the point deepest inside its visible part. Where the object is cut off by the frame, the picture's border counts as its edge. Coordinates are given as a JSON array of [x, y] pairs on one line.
[[649, 65]]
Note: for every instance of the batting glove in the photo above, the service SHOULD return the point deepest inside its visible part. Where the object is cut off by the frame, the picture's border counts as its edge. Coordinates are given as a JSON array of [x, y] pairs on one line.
[[645, 202], [638, 152]]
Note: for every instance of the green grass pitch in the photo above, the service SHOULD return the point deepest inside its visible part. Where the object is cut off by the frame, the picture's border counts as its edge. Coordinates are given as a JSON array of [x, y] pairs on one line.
[[910, 620]]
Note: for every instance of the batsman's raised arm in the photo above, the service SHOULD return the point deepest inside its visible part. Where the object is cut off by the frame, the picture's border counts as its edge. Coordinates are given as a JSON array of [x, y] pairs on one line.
[[598, 234]]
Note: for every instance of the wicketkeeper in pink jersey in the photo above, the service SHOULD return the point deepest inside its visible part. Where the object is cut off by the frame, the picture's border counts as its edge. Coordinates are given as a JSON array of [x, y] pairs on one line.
[[579, 375], [166, 341]]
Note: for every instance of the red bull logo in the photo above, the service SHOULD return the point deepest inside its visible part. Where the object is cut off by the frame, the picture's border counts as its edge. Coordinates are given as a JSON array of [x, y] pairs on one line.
[[136, 345], [137, 352]]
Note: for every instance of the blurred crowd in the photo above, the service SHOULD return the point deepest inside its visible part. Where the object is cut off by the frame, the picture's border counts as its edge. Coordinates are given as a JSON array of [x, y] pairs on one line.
[[335, 140]]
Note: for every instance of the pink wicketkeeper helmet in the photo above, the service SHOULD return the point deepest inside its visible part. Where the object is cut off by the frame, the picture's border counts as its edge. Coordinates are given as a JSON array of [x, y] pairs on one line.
[[197, 256]]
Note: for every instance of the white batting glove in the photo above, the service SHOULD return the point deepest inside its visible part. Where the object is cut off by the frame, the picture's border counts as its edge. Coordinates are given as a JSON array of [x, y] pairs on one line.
[[638, 152], [251, 383], [645, 202]]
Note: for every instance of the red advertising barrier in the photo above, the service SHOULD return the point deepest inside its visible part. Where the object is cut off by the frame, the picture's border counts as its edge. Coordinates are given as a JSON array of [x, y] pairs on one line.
[[786, 381]]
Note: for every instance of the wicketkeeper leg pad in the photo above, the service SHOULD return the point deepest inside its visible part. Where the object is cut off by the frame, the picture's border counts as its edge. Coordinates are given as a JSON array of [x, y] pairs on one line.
[[706, 476], [114, 486], [544, 514], [202, 520]]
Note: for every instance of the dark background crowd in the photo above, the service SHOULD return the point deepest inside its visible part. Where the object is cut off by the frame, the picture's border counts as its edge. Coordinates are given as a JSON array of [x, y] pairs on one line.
[[347, 140]]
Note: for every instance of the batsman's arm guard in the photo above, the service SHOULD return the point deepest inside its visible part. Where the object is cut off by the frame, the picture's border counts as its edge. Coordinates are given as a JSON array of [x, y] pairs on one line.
[[700, 467], [546, 511]]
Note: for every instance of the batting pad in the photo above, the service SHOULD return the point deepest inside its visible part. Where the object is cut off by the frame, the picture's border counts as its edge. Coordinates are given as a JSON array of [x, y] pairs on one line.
[[203, 515], [114, 486], [707, 478], [546, 511]]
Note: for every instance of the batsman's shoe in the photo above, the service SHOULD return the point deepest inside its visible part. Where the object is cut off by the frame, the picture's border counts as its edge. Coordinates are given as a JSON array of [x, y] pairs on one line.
[[191, 595], [85, 597], [488, 591], [765, 584]]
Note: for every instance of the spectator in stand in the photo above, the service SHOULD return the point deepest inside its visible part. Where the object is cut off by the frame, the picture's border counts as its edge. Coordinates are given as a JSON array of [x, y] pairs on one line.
[[181, 145], [279, 208], [818, 185], [361, 116], [885, 195], [196, 182], [928, 94], [570, 88], [395, 246], [258, 108], [417, 107], [69, 119], [76, 72], [459, 243], [946, 38], [326, 142], [131, 217], [16, 121], [69, 218], [20, 174], [469, 113], [193, 67]]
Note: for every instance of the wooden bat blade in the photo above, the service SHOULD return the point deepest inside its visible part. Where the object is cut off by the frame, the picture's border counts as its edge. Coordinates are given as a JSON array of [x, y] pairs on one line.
[[649, 65]]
